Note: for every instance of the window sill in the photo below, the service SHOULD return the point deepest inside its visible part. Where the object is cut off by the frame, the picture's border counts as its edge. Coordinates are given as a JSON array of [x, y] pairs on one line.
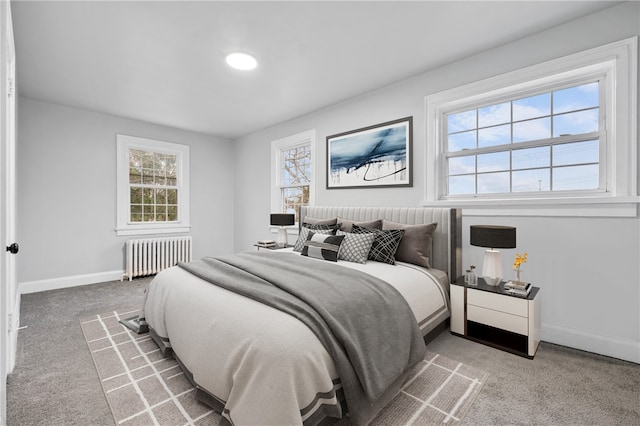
[[152, 229], [559, 207]]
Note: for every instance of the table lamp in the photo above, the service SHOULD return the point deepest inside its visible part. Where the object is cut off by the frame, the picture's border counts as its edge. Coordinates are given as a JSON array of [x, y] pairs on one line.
[[282, 220], [493, 237]]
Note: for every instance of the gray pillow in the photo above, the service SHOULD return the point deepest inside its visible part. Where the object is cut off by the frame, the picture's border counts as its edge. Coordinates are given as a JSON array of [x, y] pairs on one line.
[[347, 225], [415, 246], [355, 247]]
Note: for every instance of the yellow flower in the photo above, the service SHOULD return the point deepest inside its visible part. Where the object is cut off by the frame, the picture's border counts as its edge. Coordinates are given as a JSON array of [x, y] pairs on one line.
[[520, 259]]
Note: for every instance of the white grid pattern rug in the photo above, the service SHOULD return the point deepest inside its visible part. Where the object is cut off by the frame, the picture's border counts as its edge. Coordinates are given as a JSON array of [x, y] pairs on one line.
[[144, 388]]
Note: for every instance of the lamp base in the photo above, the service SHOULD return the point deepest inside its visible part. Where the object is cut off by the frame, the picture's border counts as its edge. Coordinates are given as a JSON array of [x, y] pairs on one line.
[[492, 267], [282, 237]]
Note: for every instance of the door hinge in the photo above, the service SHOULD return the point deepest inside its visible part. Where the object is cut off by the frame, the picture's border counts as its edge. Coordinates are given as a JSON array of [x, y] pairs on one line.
[[14, 323], [11, 87]]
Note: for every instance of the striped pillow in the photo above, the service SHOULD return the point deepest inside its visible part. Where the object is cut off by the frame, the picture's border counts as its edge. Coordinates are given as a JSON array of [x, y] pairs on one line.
[[322, 246], [304, 233]]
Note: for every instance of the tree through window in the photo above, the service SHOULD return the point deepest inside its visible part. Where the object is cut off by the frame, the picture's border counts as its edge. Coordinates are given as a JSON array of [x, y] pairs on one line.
[[296, 177], [153, 186], [292, 172]]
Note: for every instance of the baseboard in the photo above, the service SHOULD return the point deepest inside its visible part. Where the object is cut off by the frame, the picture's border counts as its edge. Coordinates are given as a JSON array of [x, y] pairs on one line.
[[623, 349], [65, 282]]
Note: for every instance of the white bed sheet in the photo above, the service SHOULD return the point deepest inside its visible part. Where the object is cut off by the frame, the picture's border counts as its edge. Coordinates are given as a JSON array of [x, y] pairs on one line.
[[425, 290], [240, 350]]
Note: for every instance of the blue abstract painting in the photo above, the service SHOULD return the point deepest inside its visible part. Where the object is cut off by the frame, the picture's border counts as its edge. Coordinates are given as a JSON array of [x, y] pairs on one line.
[[373, 156]]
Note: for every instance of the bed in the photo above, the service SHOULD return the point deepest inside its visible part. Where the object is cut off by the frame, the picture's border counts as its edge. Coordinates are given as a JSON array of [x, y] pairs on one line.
[[259, 355]]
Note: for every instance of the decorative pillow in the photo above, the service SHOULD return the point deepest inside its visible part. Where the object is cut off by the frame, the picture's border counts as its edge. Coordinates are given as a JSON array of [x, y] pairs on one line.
[[347, 225], [355, 247], [318, 229], [385, 244], [415, 246], [321, 226], [322, 246], [316, 221]]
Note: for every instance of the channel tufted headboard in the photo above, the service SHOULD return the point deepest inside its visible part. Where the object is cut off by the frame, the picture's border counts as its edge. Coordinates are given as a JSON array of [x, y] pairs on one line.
[[446, 252]]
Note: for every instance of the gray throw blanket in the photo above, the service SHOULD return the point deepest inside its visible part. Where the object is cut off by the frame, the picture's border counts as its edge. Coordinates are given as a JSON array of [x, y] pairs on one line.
[[363, 322]]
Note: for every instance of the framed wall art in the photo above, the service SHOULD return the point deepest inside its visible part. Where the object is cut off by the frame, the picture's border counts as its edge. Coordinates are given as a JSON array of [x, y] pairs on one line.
[[371, 157]]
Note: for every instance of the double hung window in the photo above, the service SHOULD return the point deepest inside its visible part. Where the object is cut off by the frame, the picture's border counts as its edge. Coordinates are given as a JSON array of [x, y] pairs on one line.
[[292, 171], [558, 133], [296, 177], [153, 186], [542, 143]]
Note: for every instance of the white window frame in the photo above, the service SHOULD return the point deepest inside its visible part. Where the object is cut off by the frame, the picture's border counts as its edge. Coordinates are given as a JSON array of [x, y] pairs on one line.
[[618, 63], [124, 226], [279, 145]]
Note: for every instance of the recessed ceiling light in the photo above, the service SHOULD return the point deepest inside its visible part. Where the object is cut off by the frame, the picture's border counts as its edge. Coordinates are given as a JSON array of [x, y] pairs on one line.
[[241, 61]]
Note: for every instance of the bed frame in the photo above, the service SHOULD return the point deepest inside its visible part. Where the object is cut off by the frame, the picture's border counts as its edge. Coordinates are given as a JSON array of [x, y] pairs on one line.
[[445, 256], [446, 253]]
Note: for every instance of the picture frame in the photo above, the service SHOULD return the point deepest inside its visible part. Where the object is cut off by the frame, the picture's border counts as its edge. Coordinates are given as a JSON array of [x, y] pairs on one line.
[[372, 157]]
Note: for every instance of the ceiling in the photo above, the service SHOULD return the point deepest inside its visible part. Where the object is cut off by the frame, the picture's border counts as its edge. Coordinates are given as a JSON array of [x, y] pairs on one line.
[[163, 62]]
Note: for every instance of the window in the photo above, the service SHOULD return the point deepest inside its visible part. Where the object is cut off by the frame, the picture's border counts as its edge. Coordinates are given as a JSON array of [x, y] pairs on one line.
[[296, 177], [542, 143], [562, 130], [153, 186], [292, 171]]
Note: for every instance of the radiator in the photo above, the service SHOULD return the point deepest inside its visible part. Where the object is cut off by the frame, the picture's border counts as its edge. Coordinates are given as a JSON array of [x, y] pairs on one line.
[[148, 256]]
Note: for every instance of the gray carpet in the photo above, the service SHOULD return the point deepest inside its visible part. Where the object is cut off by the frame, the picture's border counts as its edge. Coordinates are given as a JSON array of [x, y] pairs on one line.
[[55, 381]]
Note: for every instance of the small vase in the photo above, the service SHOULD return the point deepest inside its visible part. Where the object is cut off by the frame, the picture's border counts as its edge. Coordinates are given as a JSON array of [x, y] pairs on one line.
[[518, 275]]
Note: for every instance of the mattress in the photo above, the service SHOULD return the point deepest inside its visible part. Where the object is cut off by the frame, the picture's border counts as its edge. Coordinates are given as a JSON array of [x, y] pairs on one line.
[[238, 351]]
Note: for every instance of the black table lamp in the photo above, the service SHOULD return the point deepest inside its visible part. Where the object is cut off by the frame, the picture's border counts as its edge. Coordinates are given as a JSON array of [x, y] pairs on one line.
[[282, 220], [493, 237]]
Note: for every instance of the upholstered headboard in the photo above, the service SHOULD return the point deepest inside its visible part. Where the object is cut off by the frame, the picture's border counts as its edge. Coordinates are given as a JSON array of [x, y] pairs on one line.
[[446, 252]]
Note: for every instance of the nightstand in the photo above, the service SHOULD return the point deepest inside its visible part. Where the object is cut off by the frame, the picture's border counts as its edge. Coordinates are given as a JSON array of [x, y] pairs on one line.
[[488, 315]]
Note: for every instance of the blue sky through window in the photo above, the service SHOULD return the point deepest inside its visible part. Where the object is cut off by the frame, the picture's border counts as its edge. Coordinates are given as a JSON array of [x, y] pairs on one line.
[[573, 165]]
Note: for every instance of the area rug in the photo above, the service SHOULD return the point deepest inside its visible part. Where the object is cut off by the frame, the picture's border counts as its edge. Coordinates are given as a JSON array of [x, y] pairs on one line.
[[143, 388]]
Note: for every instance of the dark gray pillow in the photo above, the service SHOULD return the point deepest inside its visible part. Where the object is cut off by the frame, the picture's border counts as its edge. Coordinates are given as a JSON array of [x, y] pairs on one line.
[[322, 246], [346, 225], [385, 244], [415, 246]]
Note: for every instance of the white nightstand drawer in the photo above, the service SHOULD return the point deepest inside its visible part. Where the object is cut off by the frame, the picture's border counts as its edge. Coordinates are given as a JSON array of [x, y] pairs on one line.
[[498, 302], [514, 323]]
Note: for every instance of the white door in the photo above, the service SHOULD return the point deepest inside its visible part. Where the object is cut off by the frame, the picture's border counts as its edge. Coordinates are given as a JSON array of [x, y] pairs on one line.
[[8, 305]]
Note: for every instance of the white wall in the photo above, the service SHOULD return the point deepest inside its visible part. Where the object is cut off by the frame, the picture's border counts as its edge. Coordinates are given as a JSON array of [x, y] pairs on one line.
[[587, 267], [67, 193]]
